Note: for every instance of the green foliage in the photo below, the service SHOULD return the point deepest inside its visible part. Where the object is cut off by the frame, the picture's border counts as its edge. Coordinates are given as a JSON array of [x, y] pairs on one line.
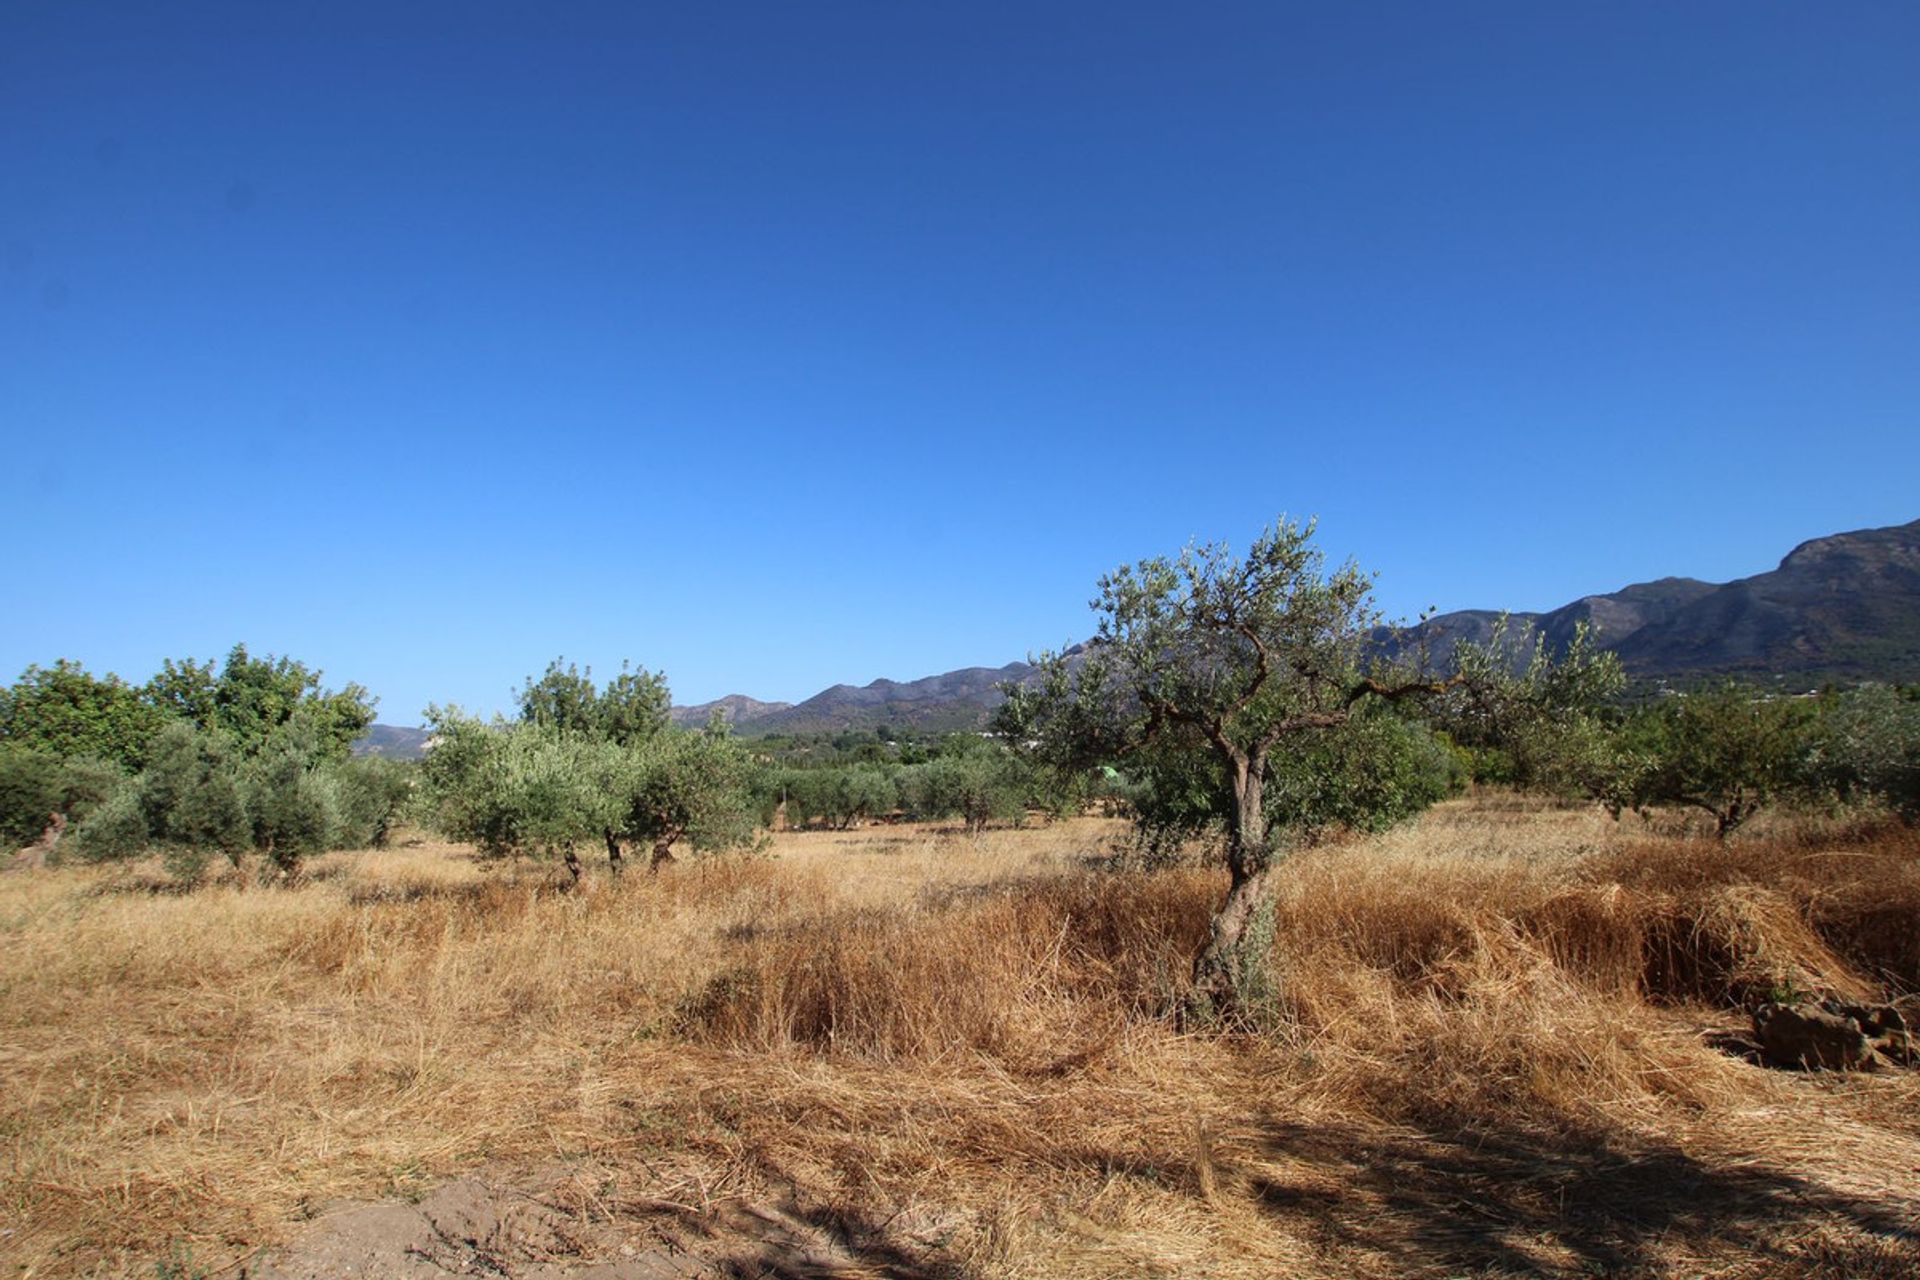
[[252, 699], [838, 796], [29, 793], [635, 706], [1534, 720], [371, 795], [974, 779], [538, 788], [186, 690], [1727, 749], [63, 711], [255, 754], [292, 807], [35, 786], [1866, 745], [117, 829], [564, 699], [1375, 770], [1208, 673], [1212, 678], [693, 788], [191, 792], [471, 780]]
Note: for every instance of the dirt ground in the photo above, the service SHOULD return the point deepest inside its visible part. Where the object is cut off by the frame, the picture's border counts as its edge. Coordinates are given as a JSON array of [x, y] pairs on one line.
[[572, 1225]]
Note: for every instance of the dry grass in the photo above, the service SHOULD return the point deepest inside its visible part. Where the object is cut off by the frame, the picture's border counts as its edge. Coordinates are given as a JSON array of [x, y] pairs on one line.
[[960, 1052]]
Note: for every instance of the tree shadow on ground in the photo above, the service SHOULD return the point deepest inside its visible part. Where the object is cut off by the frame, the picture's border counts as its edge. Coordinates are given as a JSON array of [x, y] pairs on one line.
[[1472, 1201], [799, 1241]]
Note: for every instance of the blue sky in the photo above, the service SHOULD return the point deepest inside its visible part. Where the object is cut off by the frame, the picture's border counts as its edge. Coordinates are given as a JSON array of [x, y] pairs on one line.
[[779, 345]]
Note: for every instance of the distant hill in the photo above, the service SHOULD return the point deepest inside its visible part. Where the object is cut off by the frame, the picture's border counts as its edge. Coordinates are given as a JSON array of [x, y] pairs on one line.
[[936, 704], [736, 709], [393, 741], [1844, 608]]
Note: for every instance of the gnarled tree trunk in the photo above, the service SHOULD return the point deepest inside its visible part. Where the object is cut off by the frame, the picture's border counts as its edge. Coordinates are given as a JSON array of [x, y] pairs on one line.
[[1230, 978], [616, 863]]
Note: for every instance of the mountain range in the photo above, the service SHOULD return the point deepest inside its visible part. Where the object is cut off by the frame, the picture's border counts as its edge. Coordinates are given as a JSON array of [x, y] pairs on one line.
[[1843, 608]]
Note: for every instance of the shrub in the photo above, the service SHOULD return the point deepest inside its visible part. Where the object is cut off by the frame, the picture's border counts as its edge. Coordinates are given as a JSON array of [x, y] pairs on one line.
[[35, 785], [192, 794], [1728, 750], [1867, 745], [371, 795], [117, 829]]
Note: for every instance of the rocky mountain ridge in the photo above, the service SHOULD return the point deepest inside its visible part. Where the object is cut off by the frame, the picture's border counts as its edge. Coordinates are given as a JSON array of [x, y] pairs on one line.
[[1842, 608]]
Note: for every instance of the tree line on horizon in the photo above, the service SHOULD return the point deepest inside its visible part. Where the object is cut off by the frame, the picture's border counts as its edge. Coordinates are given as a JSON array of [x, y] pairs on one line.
[[204, 759]]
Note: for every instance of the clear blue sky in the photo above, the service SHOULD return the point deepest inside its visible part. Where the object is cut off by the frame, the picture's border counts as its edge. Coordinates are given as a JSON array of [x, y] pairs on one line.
[[778, 345]]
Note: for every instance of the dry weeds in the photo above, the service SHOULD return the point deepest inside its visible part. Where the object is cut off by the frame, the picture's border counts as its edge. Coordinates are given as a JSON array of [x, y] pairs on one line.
[[959, 1055]]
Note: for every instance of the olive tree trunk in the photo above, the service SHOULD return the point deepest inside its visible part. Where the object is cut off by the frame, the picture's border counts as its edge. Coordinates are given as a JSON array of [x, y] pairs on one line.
[[1231, 977]]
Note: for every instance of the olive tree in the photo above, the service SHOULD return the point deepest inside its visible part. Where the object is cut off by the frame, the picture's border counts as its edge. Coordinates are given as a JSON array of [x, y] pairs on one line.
[[691, 787], [1728, 750], [973, 779], [1542, 715], [520, 789], [633, 710], [536, 789], [1231, 661], [1867, 745]]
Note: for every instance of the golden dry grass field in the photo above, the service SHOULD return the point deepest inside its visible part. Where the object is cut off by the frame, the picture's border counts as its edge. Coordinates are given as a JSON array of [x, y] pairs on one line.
[[957, 1057]]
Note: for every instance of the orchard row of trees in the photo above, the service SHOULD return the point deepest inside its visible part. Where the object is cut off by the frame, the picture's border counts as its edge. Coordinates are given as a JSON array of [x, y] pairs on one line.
[[1727, 750], [964, 776], [585, 766], [202, 760]]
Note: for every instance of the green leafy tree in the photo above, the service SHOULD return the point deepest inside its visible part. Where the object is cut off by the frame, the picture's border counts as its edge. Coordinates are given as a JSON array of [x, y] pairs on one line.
[[1238, 661], [293, 801], [563, 699], [1866, 745], [117, 829], [1728, 750], [839, 796], [251, 699], [186, 690], [692, 788], [635, 706], [537, 789], [192, 798], [465, 783], [373, 794], [524, 789], [64, 711], [1536, 719], [633, 709], [29, 793], [973, 779]]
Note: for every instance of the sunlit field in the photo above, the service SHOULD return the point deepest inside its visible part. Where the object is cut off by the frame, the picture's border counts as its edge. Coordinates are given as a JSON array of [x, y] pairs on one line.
[[1494, 1052]]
